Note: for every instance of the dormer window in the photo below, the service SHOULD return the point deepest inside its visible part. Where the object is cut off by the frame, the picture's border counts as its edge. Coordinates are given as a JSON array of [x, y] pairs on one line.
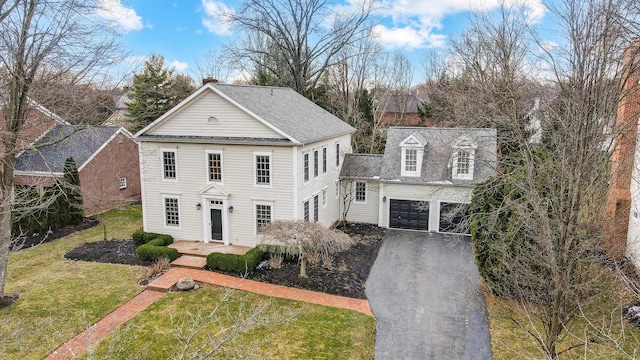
[[412, 153], [463, 158]]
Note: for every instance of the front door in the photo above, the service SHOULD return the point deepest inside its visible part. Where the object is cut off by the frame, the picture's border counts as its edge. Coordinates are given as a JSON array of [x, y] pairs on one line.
[[216, 224]]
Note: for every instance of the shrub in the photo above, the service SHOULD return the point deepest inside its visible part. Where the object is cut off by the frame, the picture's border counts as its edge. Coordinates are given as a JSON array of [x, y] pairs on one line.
[[141, 237], [154, 250], [235, 263]]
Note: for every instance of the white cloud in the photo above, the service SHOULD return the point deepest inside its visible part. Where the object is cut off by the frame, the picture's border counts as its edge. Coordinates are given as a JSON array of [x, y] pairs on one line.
[[412, 22], [178, 66], [215, 20], [407, 37], [114, 11]]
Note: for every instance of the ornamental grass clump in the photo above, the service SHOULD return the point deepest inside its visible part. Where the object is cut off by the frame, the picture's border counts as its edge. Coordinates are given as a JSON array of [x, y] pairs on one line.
[[303, 239]]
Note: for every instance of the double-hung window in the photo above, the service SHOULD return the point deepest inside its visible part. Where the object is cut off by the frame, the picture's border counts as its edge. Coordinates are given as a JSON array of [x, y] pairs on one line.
[[463, 158], [337, 154], [316, 208], [172, 211], [324, 160], [315, 163], [411, 160], [306, 166], [169, 168], [305, 206], [263, 215], [463, 162], [214, 166], [361, 191], [263, 169]]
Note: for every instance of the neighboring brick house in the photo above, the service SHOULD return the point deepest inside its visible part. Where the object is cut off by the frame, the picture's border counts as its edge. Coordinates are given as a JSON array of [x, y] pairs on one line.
[[622, 214], [400, 109], [107, 160], [39, 121]]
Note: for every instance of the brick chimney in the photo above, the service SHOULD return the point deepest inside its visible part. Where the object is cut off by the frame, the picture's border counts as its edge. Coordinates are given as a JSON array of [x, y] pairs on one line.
[[618, 205], [207, 80]]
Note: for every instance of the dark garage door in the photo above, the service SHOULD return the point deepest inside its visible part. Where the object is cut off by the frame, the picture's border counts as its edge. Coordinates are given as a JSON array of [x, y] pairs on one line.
[[409, 214], [454, 218]]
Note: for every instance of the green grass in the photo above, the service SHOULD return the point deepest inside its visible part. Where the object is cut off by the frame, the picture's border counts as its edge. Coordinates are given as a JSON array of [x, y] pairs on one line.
[[287, 329], [58, 297], [610, 336]]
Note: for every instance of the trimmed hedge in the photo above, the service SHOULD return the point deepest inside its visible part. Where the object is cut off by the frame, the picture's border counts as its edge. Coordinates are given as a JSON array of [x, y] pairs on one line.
[[155, 249], [141, 237], [154, 246], [240, 264]]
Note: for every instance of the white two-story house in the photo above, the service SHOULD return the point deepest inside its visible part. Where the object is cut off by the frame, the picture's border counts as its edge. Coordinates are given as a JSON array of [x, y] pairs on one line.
[[230, 158]]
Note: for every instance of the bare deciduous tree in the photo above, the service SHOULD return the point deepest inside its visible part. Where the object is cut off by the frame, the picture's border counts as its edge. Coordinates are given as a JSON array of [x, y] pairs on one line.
[[550, 204], [298, 39], [42, 40]]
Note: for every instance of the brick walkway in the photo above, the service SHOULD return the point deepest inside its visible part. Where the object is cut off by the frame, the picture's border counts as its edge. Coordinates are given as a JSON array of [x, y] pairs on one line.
[[93, 334], [156, 290], [166, 281]]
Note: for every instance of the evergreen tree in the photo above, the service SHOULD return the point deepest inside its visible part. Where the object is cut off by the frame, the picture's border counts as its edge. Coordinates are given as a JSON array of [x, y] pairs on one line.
[[155, 90], [72, 193]]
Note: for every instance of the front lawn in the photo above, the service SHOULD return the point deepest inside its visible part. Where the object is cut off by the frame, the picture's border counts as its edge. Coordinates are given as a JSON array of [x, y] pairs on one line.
[[59, 298], [287, 330]]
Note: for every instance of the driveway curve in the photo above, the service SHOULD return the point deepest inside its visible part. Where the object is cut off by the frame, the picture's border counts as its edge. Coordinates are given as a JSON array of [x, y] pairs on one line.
[[424, 290]]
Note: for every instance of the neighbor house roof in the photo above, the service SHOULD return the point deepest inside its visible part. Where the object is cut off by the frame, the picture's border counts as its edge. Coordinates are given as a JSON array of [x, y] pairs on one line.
[[438, 154], [291, 114], [50, 152], [361, 166]]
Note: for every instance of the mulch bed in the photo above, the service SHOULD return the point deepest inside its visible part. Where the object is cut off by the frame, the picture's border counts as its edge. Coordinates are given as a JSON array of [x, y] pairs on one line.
[[25, 242], [349, 272], [346, 278], [109, 251]]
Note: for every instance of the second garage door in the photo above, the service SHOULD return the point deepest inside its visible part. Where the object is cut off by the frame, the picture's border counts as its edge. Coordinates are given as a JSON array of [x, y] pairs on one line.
[[408, 214]]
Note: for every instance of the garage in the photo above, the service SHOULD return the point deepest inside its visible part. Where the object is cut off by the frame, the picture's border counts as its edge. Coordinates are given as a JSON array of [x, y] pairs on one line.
[[408, 214], [454, 218]]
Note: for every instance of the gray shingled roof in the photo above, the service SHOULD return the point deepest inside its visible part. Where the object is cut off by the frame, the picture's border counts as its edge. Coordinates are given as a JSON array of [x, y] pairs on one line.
[[288, 111], [436, 162], [64, 141], [361, 166]]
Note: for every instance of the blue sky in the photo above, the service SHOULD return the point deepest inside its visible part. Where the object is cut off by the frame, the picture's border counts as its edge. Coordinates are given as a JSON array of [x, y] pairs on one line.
[[183, 31]]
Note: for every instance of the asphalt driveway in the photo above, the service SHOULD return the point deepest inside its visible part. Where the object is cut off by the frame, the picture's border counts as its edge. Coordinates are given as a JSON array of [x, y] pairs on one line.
[[424, 290]]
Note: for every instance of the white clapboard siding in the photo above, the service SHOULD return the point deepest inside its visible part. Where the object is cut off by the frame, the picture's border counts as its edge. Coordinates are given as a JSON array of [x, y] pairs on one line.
[[238, 183], [329, 214], [192, 119], [363, 212]]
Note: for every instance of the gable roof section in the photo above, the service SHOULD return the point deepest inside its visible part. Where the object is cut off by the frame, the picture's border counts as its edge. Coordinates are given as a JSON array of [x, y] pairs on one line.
[[361, 166], [281, 109], [437, 158], [50, 152]]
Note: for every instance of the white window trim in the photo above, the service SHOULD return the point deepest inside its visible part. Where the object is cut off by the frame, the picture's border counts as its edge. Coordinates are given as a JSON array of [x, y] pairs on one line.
[[419, 156], [454, 171], [209, 181], [255, 217], [175, 156], [336, 147], [164, 211], [306, 167], [355, 192], [255, 169], [122, 182], [337, 188]]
